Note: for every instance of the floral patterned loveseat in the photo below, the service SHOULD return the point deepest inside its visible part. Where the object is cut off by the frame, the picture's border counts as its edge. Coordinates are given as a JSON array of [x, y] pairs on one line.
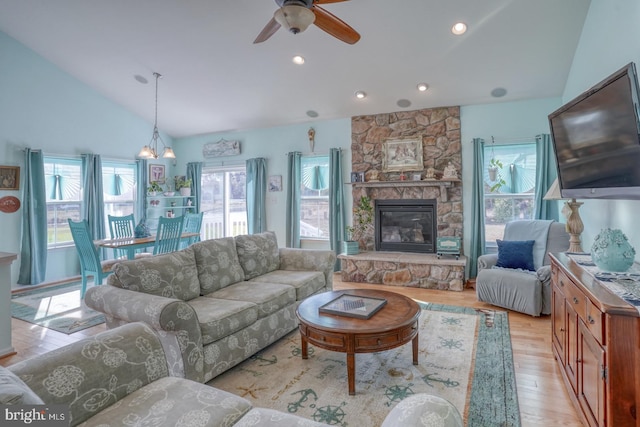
[[120, 377], [217, 302]]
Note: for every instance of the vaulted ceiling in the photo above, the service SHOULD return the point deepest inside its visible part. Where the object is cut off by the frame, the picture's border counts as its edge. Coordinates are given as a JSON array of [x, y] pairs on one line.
[[216, 79]]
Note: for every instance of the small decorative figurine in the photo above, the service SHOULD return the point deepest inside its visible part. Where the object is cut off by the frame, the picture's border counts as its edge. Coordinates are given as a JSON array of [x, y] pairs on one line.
[[431, 173], [450, 171]]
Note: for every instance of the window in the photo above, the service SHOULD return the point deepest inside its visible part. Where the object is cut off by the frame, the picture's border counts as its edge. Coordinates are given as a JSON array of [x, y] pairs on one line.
[[509, 187], [223, 202], [119, 187], [314, 197], [63, 185]]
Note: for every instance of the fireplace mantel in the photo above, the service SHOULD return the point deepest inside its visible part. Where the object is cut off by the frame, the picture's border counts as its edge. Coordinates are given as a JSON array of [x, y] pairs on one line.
[[442, 183]]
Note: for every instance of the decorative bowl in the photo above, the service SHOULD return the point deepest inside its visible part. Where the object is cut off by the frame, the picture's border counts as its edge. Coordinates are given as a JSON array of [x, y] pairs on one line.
[[169, 193]]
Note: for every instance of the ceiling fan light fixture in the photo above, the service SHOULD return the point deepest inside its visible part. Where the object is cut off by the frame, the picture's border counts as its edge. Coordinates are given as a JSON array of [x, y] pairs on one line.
[[294, 18]]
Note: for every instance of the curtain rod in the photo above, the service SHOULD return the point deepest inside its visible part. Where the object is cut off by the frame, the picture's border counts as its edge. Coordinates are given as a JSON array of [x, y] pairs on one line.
[[504, 141], [314, 154]]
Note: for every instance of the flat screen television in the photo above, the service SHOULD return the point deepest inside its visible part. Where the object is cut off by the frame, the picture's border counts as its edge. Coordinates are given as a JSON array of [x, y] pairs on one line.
[[596, 138]]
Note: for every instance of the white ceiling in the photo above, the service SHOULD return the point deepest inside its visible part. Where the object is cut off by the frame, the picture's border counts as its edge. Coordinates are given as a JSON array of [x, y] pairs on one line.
[[216, 79]]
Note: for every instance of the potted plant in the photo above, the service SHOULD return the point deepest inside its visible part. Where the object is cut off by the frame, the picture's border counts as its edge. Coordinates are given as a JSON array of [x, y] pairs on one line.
[[494, 166], [183, 185], [362, 224], [154, 188]]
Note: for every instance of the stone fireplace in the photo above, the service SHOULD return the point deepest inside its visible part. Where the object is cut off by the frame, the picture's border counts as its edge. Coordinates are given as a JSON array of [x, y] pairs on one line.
[[439, 130], [405, 225]]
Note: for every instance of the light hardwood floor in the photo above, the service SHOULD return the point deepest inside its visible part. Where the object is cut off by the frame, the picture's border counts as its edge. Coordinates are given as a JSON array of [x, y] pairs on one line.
[[542, 397]]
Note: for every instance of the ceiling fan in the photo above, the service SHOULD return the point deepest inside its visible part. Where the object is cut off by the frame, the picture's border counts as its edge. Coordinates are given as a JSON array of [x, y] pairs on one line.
[[297, 15]]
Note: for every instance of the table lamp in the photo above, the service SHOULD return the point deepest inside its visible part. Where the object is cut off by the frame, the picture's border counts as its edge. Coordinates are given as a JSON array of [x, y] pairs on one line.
[[574, 225]]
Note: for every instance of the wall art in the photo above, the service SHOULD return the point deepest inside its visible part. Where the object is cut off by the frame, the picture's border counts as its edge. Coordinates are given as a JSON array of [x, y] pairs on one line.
[[221, 148], [402, 154], [9, 177]]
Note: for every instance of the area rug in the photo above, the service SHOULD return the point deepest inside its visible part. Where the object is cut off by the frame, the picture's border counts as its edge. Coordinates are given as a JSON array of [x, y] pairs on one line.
[[465, 356], [56, 307]]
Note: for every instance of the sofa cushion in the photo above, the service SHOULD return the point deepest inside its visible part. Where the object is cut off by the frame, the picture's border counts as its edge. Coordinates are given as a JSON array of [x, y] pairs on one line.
[[172, 401], [306, 282], [172, 275], [13, 391], [269, 297], [217, 263], [221, 317], [258, 253]]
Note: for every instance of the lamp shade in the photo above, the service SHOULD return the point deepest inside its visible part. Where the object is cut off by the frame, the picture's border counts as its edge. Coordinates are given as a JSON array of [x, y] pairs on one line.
[[554, 192], [294, 18]]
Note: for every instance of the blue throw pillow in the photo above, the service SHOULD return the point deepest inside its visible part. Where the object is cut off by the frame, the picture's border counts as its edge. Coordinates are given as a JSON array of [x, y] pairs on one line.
[[515, 254]]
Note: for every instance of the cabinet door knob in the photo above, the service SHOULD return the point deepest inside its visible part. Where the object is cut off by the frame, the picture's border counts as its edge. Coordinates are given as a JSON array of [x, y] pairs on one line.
[[591, 319], [575, 300]]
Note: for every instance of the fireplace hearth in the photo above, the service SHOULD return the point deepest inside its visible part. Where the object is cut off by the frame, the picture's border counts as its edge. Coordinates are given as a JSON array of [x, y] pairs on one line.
[[406, 225]]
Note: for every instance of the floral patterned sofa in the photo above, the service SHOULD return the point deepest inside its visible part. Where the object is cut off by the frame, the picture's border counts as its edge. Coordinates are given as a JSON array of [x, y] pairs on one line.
[[217, 302], [120, 377]]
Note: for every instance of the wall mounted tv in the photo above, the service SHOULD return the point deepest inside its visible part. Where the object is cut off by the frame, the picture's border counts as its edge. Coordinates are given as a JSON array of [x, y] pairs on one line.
[[596, 137]]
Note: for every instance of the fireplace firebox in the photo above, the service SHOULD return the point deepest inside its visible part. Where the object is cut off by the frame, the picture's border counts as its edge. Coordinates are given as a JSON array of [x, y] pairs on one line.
[[406, 225]]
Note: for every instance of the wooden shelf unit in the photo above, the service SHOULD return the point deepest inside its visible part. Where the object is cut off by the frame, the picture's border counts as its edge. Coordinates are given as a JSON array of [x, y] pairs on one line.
[[595, 342]]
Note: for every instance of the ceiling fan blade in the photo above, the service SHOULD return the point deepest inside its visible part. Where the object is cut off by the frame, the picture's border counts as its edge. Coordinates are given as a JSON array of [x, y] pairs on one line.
[[327, 1], [268, 30], [335, 26]]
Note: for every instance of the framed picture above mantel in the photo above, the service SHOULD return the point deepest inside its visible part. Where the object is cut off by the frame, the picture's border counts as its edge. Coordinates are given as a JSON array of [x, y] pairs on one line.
[[402, 154]]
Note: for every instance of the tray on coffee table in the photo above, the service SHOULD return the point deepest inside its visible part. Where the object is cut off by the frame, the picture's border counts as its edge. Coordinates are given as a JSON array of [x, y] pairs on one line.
[[353, 306]]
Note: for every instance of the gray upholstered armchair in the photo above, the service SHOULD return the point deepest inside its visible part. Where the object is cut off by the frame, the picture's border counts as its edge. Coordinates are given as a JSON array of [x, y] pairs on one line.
[[526, 289]]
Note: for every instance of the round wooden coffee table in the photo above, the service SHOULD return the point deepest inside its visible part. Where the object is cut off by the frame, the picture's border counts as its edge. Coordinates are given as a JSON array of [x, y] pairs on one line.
[[395, 324]]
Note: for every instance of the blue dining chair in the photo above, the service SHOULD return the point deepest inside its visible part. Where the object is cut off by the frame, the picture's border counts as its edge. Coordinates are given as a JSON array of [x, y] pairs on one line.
[[168, 234], [90, 263], [121, 227], [192, 224]]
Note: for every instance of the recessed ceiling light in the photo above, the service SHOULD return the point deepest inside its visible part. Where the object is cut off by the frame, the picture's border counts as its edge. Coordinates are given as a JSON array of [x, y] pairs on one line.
[[403, 103], [299, 60], [459, 28], [361, 94], [312, 114], [422, 87], [498, 92], [141, 79]]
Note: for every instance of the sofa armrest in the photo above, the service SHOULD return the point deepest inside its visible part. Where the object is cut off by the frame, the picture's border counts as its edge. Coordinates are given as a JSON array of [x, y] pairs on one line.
[[487, 261], [166, 315], [309, 260], [94, 373]]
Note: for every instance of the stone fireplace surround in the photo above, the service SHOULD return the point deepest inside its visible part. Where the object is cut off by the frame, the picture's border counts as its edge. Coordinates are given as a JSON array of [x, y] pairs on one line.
[[440, 132]]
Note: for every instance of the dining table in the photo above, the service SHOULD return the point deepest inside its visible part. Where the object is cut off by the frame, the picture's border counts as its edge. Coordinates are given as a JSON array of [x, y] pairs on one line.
[[130, 244]]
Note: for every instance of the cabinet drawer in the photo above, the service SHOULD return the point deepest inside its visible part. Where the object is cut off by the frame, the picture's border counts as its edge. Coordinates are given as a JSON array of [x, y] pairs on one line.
[[376, 341], [594, 320], [560, 280], [325, 339]]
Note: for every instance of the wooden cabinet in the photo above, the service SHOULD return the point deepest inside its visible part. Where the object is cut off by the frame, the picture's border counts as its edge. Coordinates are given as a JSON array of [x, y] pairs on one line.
[[595, 341]]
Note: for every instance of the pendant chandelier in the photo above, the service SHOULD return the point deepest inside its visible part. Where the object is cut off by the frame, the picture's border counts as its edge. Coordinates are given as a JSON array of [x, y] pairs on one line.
[[150, 151]]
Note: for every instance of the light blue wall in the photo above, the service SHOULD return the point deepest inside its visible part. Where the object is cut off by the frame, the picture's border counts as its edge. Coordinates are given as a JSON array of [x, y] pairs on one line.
[[42, 107], [273, 144], [610, 39], [504, 121]]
